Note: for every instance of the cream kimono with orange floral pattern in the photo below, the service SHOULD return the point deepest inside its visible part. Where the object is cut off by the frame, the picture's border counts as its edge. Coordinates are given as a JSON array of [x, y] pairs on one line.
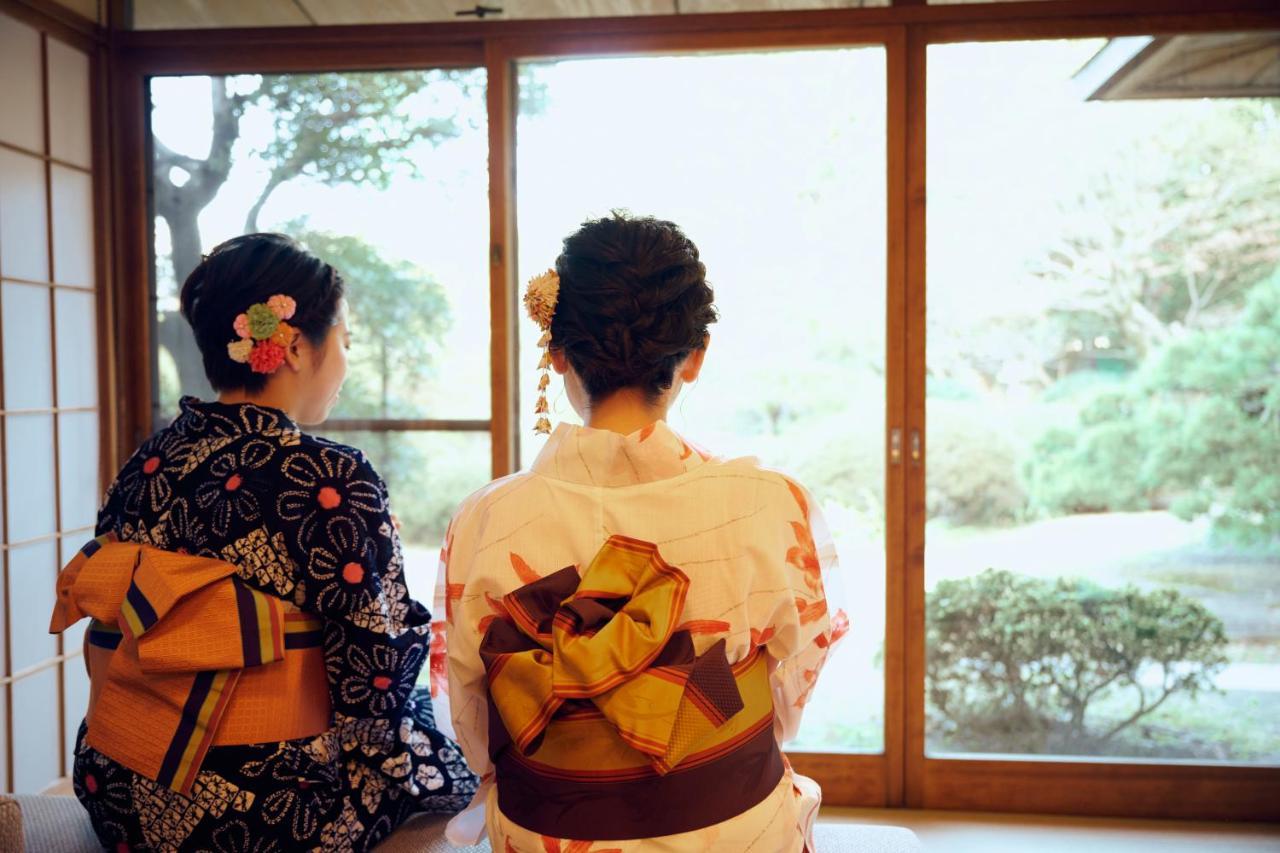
[[752, 543]]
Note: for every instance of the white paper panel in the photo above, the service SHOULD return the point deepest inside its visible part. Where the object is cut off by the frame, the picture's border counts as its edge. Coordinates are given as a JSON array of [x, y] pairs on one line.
[[69, 134], [29, 469], [76, 341], [28, 350], [78, 469], [72, 227], [24, 243], [35, 732], [33, 571], [21, 116], [76, 693]]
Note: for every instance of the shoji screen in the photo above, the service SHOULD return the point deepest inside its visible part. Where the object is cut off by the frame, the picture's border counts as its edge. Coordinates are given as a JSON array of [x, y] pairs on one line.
[[49, 420]]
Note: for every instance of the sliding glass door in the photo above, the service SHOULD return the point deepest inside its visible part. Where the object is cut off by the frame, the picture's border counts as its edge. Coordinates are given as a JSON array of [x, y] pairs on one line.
[[774, 164]]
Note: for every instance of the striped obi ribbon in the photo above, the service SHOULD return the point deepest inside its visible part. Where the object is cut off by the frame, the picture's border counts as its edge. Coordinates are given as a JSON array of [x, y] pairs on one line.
[[183, 655], [605, 723]]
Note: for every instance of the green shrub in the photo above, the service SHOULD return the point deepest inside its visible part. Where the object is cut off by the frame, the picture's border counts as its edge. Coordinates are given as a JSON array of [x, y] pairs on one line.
[[1196, 430], [1014, 663], [973, 472]]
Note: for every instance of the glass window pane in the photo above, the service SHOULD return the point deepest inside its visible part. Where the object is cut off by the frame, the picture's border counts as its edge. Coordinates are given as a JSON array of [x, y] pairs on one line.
[[20, 95], [69, 134], [28, 352], [24, 243], [33, 570], [72, 227], [29, 471], [79, 491], [77, 343], [1103, 559], [396, 199], [35, 732], [781, 184], [428, 474]]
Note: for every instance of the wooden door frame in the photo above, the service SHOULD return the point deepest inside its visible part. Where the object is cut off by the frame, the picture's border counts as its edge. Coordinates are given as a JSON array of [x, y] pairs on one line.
[[902, 775]]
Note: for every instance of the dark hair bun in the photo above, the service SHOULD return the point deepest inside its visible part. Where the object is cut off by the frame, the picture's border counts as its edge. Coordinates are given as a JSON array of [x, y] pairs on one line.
[[634, 302], [247, 270]]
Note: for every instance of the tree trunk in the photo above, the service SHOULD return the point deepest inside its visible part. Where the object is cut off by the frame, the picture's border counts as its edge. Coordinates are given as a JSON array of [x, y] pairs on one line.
[[179, 206], [251, 220]]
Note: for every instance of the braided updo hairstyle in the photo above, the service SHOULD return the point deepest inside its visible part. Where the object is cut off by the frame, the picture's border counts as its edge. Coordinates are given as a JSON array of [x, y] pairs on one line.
[[634, 303], [247, 270]]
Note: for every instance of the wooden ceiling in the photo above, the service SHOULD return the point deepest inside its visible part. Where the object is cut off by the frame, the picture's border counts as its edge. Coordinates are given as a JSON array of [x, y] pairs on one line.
[[198, 14], [1220, 65]]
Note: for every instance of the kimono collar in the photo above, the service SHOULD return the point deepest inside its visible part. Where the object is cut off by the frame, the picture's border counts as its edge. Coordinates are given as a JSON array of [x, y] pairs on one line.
[[600, 457], [230, 420]]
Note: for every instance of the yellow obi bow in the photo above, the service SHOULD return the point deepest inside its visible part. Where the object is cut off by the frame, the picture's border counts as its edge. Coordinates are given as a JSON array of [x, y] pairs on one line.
[[182, 655], [608, 641]]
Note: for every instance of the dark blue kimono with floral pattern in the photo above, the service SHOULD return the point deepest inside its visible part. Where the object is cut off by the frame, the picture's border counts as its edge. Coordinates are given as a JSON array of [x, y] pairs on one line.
[[305, 519]]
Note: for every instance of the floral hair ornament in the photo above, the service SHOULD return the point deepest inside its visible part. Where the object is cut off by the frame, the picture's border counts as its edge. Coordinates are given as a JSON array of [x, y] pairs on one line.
[[262, 335], [540, 301]]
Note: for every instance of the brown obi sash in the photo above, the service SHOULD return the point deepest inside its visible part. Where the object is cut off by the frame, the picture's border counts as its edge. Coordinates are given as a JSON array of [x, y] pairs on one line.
[[604, 724], [183, 656]]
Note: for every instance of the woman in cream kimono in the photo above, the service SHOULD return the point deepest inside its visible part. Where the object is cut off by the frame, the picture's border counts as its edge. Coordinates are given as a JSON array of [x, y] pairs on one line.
[[633, 625]]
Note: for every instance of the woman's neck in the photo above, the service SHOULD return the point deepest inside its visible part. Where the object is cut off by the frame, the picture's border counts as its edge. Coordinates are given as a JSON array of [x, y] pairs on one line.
[[273, 396], [624, 412]]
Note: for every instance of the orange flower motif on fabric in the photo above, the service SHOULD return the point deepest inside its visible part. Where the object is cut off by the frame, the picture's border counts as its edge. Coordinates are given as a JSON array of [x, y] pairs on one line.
[[499, 612], [523, 570], [452, 595], [839, 627], [811, 611], [759, 638], [804, 556], [810, 676], [705, 626], [439, 661]]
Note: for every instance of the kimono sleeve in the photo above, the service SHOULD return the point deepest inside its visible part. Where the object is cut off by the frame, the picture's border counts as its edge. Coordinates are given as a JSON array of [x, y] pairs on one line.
[[794, 611], [350, 572], [456, 648]]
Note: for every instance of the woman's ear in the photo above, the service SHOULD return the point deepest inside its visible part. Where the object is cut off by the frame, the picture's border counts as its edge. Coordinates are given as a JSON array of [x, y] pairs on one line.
[[559, 362], [693, 364], [296, 353]]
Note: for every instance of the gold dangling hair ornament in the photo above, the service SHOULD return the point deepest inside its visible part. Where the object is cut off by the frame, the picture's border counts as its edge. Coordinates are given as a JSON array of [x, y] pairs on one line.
[[540, 301]]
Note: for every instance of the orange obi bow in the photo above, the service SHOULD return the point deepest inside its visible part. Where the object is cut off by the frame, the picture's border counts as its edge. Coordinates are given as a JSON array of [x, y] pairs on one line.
[[182, 656], [607, 645]]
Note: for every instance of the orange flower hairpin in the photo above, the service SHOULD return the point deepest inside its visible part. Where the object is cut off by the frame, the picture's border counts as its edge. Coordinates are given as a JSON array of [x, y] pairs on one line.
[[540, 299], [262, 335]]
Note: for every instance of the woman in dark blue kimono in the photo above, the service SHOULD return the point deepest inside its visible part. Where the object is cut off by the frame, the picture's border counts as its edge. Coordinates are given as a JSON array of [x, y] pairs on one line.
[[302, 519]]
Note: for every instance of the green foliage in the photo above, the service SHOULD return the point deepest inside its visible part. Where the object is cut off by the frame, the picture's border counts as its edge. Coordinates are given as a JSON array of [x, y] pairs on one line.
[[1196, 429], [339, 128], [398, 316], [1172, 234], [973, 473], [1015, 663]]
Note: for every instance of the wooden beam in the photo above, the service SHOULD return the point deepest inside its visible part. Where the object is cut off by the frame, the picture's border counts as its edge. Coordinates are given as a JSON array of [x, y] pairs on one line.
[[131, 268], [977, 18], [1101, 787], [895, 506], [504, 373], [913, 440]]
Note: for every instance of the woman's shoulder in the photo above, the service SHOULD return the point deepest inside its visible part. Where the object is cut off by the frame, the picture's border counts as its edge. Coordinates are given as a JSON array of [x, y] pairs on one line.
[[750, 468], [475, 504]]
